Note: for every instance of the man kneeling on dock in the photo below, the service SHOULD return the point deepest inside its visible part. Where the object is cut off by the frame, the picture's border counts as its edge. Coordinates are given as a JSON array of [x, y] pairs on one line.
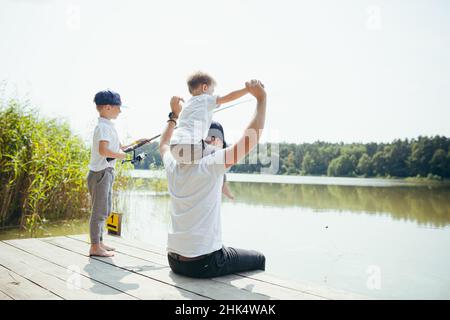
[[194, 244]]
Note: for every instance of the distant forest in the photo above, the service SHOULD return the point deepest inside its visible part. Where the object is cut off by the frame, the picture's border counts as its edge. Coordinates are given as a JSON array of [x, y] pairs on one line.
[[426, 157]]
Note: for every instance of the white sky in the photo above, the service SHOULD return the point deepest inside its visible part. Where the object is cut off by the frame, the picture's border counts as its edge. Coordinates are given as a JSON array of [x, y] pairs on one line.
[[352, 71]]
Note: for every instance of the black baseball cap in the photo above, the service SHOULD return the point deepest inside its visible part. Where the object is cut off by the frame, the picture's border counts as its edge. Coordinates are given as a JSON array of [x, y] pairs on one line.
[[108, 97], [216, 130]]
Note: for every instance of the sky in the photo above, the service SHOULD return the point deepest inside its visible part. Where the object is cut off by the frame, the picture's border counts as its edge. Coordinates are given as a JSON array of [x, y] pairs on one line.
[[337, 71]]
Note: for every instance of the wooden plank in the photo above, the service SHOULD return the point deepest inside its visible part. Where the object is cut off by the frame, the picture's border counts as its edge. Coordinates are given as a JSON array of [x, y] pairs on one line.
[[131, 250], [268, 288], [4, 296], [206, 287], [303, 286], [19, 288], [325, 291], [137, 244], [244, 283], [131, 243], [66, 283], [106, 273]]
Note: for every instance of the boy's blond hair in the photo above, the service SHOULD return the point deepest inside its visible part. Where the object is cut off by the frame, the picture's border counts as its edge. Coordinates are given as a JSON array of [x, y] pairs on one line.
[[198, 78]]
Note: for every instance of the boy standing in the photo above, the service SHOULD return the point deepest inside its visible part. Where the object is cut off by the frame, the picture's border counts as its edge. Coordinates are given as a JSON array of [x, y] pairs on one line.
[[100, 179]]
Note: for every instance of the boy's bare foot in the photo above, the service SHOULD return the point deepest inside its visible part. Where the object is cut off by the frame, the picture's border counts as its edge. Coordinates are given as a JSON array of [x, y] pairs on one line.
[[107, 248], [98, 251]]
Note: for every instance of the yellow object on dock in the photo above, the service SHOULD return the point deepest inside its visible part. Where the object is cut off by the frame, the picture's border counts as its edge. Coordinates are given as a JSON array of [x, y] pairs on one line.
[[114, 223]]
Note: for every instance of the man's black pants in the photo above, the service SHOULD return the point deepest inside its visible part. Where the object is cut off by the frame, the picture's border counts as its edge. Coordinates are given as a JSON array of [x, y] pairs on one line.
[[219, 263]]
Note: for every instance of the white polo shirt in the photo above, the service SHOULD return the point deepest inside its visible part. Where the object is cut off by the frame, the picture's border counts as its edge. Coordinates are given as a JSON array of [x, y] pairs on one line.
[[104, 131], [196, 194]]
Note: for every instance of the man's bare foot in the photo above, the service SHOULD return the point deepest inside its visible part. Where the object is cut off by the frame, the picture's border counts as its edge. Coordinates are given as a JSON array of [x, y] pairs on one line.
[[107, 248], [98, 251]]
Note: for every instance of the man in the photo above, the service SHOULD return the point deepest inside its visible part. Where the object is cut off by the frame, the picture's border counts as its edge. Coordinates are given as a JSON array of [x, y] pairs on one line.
[[194, 243]]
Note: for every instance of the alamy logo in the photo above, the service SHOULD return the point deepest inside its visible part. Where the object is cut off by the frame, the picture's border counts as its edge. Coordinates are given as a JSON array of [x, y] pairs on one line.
[[73, 17], [73, 281], [373, 21], [374, 278]]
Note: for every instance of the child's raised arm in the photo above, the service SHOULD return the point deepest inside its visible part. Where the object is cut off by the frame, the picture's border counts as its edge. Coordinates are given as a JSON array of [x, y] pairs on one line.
[[232, 96]]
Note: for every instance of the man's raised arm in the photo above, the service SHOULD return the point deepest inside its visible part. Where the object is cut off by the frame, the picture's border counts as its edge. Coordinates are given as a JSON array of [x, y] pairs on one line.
[[168, 130], [253, 132]]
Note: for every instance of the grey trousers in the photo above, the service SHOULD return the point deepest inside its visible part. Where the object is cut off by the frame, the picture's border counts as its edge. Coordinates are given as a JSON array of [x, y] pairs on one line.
[[100, 188]]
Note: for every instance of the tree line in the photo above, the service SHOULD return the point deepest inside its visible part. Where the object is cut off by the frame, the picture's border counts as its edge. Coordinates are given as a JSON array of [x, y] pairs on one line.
[[424, 156]]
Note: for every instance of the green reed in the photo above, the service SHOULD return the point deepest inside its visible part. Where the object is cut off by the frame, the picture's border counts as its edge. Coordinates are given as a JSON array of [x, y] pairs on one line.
[[43, 167]]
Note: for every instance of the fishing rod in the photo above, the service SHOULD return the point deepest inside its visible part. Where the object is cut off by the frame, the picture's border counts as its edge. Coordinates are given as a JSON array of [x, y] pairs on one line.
[[137, 144]]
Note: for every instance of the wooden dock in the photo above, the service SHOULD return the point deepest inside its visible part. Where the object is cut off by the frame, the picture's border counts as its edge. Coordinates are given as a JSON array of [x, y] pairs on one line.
[[60, 268]]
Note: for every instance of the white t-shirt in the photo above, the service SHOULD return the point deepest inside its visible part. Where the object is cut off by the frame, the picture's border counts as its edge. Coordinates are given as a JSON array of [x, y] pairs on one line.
[[194, 120], [196, 194], [104, 131]]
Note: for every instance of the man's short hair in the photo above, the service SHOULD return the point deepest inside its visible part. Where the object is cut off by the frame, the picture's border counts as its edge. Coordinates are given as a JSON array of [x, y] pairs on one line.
[[199, 78]]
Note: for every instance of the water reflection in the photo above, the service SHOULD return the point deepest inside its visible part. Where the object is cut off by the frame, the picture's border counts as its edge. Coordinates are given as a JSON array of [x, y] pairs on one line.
[[423, 205], [331, 234]]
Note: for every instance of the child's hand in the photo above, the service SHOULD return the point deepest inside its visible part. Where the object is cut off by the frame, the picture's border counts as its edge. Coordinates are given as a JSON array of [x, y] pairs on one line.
[[121, 155], [175, 105]]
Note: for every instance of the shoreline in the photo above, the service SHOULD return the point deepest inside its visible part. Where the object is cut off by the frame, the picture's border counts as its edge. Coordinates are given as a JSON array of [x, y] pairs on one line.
[[313, 180]]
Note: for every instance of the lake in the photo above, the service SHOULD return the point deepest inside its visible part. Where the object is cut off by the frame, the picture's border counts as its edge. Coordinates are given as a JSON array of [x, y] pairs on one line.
[[382, 238], [379, 237]]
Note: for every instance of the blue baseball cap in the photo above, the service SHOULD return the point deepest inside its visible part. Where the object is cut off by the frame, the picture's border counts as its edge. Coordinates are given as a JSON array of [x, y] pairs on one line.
[[108, 97]]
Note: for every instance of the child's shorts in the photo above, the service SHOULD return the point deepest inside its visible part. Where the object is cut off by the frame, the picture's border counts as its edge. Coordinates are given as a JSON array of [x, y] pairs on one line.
[[190, 153]]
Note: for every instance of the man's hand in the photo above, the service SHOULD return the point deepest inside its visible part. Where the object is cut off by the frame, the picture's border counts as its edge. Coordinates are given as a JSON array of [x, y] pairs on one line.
[[256, 89], [253, 132], [175, 105], [167, 133]]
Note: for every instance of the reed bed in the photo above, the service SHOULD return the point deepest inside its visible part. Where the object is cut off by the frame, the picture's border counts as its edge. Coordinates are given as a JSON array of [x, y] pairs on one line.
[[43, 167]]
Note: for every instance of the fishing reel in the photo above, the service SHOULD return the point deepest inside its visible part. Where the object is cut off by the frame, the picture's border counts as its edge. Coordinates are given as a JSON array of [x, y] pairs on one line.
[[136, 158]]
